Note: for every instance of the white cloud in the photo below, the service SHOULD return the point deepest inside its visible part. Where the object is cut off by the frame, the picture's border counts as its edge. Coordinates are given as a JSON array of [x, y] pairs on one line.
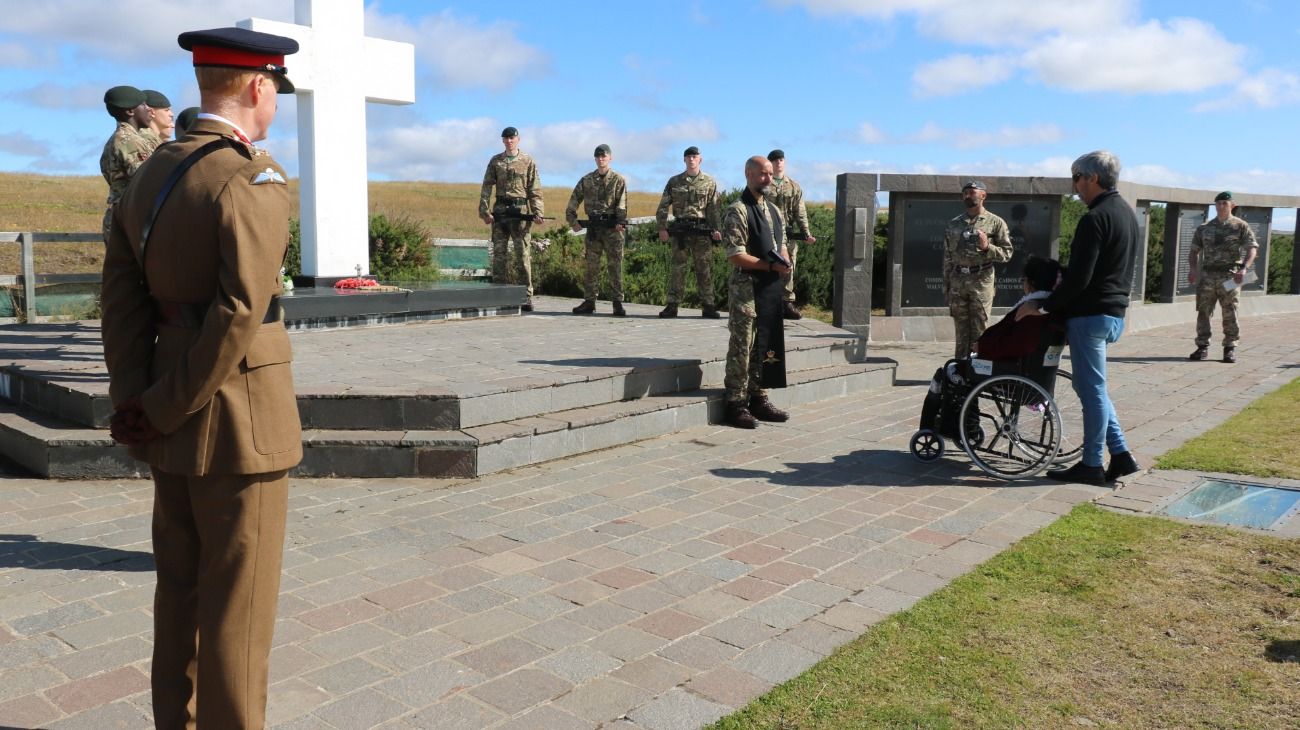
[[1268, 89], [18, 55], [1185, 55], [871, 134], [447, 150], [961, 73], [21, 144], [1020, 22], [864, 8], [462, 53]]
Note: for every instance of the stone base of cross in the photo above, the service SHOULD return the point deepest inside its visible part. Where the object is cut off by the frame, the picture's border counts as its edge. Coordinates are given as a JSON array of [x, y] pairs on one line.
[[336, 71]]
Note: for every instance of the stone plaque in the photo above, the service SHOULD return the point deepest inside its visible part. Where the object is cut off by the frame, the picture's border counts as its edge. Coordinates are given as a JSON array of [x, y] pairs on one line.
[[924, 219], [1188, 220], [1260, 221]]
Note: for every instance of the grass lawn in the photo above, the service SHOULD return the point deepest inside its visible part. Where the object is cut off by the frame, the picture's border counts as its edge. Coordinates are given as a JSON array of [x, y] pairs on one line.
[[1100, 620]]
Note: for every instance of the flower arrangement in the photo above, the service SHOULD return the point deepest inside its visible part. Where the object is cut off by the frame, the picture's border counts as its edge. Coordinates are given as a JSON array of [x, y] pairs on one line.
[[355, 282]]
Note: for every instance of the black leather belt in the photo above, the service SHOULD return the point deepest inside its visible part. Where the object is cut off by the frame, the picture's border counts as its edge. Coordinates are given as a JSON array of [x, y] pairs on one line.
[[512, 201], [972, 269], [190, 315]]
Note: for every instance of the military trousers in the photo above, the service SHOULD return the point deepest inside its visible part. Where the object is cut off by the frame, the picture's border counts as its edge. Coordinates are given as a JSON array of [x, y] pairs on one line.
[[609, 242], [108, 222], [218, 543], [699, 247], [1209, 292], [970, 302], [787, 279], [744, 368], [516, 269]]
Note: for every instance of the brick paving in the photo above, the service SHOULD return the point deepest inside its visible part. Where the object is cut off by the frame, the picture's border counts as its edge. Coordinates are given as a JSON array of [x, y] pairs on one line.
[[660, 584]]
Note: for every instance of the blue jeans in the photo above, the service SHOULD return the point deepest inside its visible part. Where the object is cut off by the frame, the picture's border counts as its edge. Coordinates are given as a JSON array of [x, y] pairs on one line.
[[1088, 338]]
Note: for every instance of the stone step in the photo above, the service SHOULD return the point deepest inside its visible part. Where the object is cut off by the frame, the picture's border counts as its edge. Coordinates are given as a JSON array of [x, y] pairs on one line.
[[55, 448], [489, 403]]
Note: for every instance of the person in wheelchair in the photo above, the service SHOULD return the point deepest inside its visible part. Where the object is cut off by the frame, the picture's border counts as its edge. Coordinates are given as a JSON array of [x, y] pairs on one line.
[[1012, 340]]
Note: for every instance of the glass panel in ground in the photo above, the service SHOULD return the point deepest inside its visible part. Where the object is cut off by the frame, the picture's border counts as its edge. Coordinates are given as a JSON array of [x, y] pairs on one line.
[[1235, 503]]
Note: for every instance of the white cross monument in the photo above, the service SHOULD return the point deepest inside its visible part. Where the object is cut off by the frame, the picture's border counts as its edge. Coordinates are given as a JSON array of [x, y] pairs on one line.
[[336, 70]]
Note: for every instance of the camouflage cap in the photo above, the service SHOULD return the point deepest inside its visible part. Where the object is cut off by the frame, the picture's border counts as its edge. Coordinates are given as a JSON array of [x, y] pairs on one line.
[[124, 97], [975, 184], [185, 119], [156, 99], [602, 149], [509, 132], [692, 150], [1225, 195], [775, 155]]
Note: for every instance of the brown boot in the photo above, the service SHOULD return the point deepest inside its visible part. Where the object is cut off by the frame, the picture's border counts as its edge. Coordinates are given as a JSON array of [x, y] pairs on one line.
[[619, 311], [669, 311], [1230, 354], [1200, 353], [709, 312], [763, 410], [739, 416], [790, 312], [587, 307]]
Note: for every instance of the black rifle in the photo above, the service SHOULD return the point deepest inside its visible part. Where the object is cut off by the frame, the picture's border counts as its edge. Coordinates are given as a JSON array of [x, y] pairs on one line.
[[776, 258], [603, 220], [517, 215], [680, 228]]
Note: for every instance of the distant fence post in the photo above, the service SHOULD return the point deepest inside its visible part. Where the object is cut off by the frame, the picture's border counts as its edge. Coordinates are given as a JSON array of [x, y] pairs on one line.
[[28, 255]]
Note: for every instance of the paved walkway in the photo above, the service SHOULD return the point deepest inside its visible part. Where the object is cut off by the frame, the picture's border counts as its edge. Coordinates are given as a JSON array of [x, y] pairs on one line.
[[656, 585]]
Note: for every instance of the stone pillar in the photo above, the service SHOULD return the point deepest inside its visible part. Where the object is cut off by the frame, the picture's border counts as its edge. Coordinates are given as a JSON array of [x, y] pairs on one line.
[[1181, 220], [855, 224], [1260, 221], [1137, 290]]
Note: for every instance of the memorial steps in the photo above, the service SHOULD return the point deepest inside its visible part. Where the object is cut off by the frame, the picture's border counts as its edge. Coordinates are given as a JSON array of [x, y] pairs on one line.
[[451, 399]]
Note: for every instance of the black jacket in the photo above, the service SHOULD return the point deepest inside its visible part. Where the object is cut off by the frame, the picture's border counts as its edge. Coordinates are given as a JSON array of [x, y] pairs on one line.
[[1100, 273]]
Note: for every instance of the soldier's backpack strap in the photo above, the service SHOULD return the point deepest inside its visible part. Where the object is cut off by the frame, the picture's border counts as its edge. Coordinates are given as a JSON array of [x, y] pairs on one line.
[[168, 186]]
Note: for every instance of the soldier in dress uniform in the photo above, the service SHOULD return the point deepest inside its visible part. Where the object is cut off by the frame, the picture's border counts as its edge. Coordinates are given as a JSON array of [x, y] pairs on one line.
[[604, 194], [163, 125], [517, 207], [753, 233], [693, 197], [127, 148], [199, 375], [972, 242], [788, 197], [185, 120], [1223, 248]]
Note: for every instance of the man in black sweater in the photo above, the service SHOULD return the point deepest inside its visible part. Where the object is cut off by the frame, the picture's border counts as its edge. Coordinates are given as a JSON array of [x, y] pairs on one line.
[[1093, 296]]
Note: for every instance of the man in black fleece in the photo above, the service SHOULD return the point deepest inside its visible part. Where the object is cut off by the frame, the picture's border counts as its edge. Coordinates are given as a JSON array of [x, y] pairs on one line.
[[1093, 296]]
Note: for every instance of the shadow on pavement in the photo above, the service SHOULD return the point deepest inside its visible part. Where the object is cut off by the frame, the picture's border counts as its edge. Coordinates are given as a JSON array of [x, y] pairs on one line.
[[27, 551]]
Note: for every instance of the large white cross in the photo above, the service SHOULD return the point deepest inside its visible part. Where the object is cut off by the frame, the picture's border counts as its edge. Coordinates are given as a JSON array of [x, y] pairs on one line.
[[336, 70]]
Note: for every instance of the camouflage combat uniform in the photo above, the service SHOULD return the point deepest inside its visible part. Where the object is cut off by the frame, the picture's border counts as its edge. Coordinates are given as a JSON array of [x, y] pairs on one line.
[[744, 366], [695, 205], [518, 189], [968, 274], [123, 154], [604, 196], [788, 197], [1221, 249]]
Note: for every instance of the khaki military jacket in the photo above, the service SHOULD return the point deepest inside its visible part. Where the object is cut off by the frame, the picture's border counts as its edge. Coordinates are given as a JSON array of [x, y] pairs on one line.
[[221, 393], [735, 226], [601, 194], [123, 154], [960, 249], [691, 197], [513, 177], [788, 197], [1223, 246]]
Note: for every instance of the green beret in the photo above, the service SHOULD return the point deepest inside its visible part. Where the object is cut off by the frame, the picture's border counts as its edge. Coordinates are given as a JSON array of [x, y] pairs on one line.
[[156, 99], [775, 155], [602, 149], [124, 97], [692, 150], [509, 132], [974, 184], [1225, 195], [185, 119]]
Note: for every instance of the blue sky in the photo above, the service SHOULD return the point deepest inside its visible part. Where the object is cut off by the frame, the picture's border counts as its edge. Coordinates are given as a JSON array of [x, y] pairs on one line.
[[1192, 94]]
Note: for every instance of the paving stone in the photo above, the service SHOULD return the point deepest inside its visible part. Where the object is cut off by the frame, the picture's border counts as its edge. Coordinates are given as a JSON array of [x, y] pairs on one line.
[[487, 626], [914, 583], [520, 690], [669, 623], [728, 686], [577, 664], [556, 633], [781, 612], [851, 617], [431, 683], [501, 656], [360, 709], [699, 652], [818, 593], [751, 589], [775, 661], [100, 689], [818, 637], [457, 713], [677, 710], [346, 676], [547, 718], [627, 643], [603, 699], [653, 673], [741, 632], [883, 599]]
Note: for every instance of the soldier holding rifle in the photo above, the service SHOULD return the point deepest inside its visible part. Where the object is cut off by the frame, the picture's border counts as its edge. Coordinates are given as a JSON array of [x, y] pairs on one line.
[[604, 193], [517, 207], [694, 200]]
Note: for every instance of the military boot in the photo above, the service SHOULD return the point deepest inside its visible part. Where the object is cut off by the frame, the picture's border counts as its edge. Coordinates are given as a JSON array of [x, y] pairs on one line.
[[1230, 354], [587, 307], [709, 311], [619, 311], [739, 416], [1200, 353], [762, 409], [669, 312], [790, 312]]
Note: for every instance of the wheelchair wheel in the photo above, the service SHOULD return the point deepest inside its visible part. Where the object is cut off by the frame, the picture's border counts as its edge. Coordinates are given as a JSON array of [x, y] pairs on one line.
[[1010, 427], [926, 445], [1070, 411]]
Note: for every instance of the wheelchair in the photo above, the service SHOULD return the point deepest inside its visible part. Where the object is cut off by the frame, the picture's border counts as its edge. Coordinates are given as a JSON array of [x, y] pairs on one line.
[[1011, 417]]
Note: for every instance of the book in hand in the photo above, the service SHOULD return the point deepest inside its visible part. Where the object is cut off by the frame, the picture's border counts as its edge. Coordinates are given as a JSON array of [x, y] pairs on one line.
[[1250, 277]]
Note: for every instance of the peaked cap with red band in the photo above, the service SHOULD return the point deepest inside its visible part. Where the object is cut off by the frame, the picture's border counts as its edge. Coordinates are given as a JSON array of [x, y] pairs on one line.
[[242, 48]]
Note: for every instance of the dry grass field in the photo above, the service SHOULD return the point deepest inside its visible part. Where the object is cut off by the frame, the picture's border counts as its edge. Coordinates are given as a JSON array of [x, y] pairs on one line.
[[76, 204]]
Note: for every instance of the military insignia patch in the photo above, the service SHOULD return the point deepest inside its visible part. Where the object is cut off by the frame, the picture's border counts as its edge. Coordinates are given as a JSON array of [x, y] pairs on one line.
[[771, 358], [269, 175]]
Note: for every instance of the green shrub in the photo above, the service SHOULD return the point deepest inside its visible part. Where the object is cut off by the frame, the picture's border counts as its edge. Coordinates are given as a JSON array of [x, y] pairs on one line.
[[1281, 251], [400, 249]]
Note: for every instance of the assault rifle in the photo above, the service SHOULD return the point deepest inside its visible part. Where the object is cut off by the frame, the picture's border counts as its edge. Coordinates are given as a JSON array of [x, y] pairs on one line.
[[679, 228], [517, 215], [603, 220]]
